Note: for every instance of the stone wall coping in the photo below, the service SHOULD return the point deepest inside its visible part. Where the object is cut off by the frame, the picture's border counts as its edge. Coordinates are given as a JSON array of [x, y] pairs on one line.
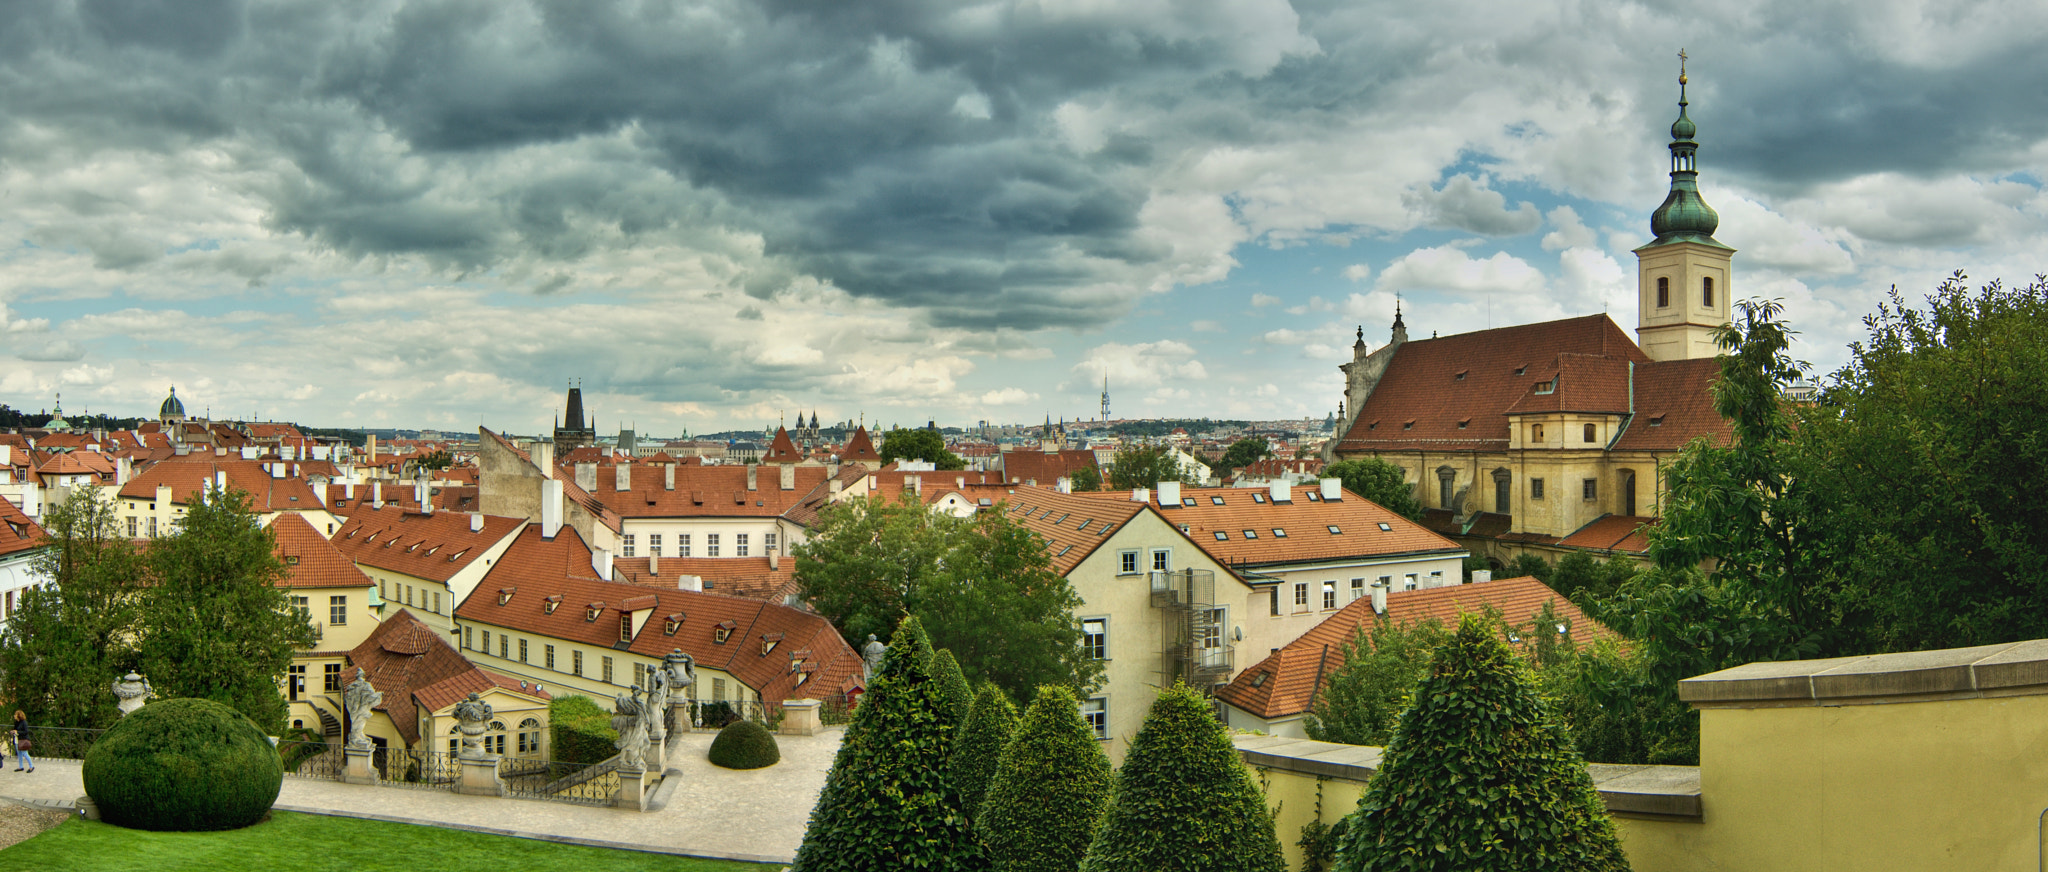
[[2010, 669], [1663, 792]]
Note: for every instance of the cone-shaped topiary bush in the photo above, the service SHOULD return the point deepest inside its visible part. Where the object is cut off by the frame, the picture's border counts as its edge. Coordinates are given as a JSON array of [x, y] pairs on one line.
[[1479, 777], [744, 745], [183, 764], [1050, 789], [990, 721], [953, 685], [1183, 801], [888, 803]]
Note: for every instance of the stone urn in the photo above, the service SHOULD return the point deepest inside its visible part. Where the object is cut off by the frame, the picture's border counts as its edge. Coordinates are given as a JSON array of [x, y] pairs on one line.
[[132, 690]]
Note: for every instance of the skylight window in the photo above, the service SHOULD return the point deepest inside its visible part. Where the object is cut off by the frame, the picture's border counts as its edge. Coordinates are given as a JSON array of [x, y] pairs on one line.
[[1258, 498], [1251, 534], [1386, 527], [1187, 501], [1279, 533], [1334, 531], [1407, 425], [1222, 536], [1460, 376], [1215, 500], [1522, 370]]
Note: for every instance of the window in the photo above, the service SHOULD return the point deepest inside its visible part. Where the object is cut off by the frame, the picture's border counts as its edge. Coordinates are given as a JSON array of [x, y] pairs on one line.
[[1386, 527], [469, 637], [1096, 712], [1251, 534], [604, 666], [406, 589], [1222, 536], [1335, 531], [1547, 387], [1357, 589], [1536, 432], [1127, 563], [1300, 596], [1329, 595], [626, 545], [131, 525], [522, 650], [1282, 534], [625, 626], [1408, 581], [330, 679], [1095, 638], [1276, 601], [1663, 292], [1162, 559], [1707, 292], [1590, 490], [529, 736], [575, 663], [152, 527], [718, 688], [768, 541], [682, 544], [1386, 583], [739, 544], [711, 544], [547, 655], [654, 544], [337, 611], [299, 606], [487, 642], [296, 686], [1535, 488], [495, 744], [1215, 501], [1261, 498], [1446, 481], [503, 641], [437, 602], [1591, 433]]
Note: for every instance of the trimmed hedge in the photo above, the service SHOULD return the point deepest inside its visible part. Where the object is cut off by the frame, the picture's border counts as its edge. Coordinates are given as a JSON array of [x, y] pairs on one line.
[[1184, 801], [581, 730], [990, 721], [888, 803], [1050, 789], [183, 765], [953, 687], [1480, 777], [744, 745]]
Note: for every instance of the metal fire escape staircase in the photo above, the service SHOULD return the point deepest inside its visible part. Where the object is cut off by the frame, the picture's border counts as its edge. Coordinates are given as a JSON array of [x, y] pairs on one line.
[[1197, 648]]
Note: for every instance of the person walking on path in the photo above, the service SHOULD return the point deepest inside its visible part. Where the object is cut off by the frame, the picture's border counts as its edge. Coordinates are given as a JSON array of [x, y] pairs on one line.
[[22, 761]]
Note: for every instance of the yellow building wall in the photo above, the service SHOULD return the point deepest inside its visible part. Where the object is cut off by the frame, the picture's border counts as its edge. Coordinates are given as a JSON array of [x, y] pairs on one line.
[[1563, 461], [563, 680]]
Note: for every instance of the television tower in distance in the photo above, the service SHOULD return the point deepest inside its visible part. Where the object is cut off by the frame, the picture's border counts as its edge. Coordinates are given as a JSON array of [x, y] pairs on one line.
[[1105, 398]]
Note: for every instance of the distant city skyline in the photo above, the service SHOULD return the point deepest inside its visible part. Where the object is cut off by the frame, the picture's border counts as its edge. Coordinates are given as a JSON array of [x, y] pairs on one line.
[[384, 215]]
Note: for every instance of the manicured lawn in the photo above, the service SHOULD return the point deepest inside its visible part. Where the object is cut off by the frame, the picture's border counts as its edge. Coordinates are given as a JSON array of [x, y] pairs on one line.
[[317, 843]]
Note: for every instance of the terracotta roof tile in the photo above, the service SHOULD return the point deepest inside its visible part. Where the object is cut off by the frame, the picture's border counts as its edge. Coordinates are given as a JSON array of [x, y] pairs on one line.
[[403, 656], [783, 449], [1244, 526], [1285, 684], [191, 474], [1073, 525], [1612, 533], [702, 491], [432, 547], [860, 448], [1674, 405], [18, 532], [1045, 470], [747, 577], [310, 560]]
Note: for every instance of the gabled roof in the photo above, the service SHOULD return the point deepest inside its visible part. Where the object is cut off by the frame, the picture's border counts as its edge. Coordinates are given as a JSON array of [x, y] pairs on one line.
[[432, 547], [1073, 525], [1433, 385], [1612, 533], [18, 532], [700, 491], [860, 448], [1674, 405], [1038, 467], [748, 577], [1255, 531], [190, 475], [783, 449], [1285, 683], [404, 657], [309, 559]]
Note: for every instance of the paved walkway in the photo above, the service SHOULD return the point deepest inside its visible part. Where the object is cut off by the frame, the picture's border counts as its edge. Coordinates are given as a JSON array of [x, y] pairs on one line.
[[757, 815]]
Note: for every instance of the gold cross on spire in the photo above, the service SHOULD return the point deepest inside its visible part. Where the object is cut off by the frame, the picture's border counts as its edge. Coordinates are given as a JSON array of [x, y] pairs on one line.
[[1681, 66]]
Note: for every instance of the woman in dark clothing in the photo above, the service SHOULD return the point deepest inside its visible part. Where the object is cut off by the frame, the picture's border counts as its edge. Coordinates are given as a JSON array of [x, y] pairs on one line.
[[21, 744]]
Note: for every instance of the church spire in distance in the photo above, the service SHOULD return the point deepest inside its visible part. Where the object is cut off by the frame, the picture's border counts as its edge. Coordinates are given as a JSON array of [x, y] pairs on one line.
[[1684, 217]]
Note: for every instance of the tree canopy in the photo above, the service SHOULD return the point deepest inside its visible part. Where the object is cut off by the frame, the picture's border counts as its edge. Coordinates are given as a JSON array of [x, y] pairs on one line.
[[1144, 466], [1243, 453], [1364, 696], [1379, 481], [74, 632], [902, 444]]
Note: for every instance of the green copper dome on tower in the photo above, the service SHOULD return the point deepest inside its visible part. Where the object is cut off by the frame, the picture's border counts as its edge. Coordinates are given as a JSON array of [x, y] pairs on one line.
[[1684, 217]]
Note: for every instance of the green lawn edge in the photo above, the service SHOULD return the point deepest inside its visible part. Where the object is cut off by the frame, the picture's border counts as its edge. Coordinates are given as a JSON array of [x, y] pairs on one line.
[[320, 843]]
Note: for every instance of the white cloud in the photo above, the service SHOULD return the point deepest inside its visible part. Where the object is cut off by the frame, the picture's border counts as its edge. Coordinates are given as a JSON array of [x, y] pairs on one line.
[[1143, 365], [1567, 231], [1265, 300], [1467, 203], [1452, 271], [1358, 272], [1007, 397]]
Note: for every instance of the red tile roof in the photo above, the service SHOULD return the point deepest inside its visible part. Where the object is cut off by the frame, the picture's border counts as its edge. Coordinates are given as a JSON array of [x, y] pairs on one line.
[[414, 667], [310, 560], [432, 547], [1285, 683], [860, 448], [18, 532], [190, 475], [782, 449], [1045, 470], [535, 568], [1433, 385], [747, 577], [1612, 533], [703, 491], [1252, 526], [1073, 525], [1675, 404]]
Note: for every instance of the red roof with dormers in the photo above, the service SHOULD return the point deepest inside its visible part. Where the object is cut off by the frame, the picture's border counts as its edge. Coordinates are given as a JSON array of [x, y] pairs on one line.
[[703, 491], [415, 668], [749, 577], [1072, 525], [1674, 405], [310, 560], [1612, 533], [534, 569], [189, 476], [432, 547], [1244, 526], [18, 532]]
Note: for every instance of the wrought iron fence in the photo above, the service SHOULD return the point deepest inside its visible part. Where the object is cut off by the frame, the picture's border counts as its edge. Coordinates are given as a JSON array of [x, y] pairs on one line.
[[420, 770], [317, 760], [714, 714], [550, 780], [58, 743]]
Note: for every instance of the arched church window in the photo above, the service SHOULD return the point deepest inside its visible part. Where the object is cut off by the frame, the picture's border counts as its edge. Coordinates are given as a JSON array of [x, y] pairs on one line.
[[1707, 292]]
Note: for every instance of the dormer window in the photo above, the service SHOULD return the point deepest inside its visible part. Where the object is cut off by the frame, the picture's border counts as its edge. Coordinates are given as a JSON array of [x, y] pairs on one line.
[[1522, 370], [505, 594], [796, 660], [591, 611], [671, 624], [1460, 376], [1547, 387], [548, 606], [1657, 421], [625, 627], [1462, 424], [457, 555], [723, 632], [769, 641], [1375, 425], [291, 560]]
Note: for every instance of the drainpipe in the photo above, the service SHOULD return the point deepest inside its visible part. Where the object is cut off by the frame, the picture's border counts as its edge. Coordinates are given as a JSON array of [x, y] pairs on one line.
[[1631, 416]]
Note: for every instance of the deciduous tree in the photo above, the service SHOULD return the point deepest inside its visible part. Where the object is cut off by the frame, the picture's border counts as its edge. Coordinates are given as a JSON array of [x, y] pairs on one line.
[[1378, 481], [927, 445], [1243, 453], [1144, 466], [1364, 695], [73, 632]]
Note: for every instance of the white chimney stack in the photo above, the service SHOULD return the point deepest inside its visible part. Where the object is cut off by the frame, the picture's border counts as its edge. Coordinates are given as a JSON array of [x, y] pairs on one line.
[[654, 565], [124, 466], [1283, 492], [1481, 576], [690, 582], [1169, 493], [788, 477], [668, 476], [220, 479], [1141, 495], [550, 508], [278, 470], [916, 483], [601, 560], [543, 455], [753, 476], [586, 476], [476, 522], [774, 561], [1379, 598], [835, 487], [1333, 489], [1063, 484], [348, 491], [623, 475], [376, 495]]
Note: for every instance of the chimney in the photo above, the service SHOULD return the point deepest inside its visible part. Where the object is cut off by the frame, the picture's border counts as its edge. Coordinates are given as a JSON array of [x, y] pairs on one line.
[[690, 582], [774, 561], [550, 508], [543, 455], [668, 476], [163, 495], [376, 495], [348, 491], [916, 483], [124, 466], [1283, 492], [419, 495], [601, 560], [1333, 490], [832, 467], [654, 565], [476, 522], [1169, 493], [1063, 485], [277, 470], [623, 475], [586, 476], [960, 481], [788, 476], [1482, 576], [753, 474], [1141, 495], [1379, 598], [6, 455], [220, 479], [833, 487], [249, 452], [371, 446]]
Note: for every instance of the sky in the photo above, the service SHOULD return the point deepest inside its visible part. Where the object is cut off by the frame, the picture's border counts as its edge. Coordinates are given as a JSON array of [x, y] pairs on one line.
[[718, 214]]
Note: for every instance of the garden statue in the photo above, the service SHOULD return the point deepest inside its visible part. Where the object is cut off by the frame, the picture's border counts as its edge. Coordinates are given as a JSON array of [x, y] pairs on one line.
[[471, 715], [632, 729], [682, 671], [871, 657], [357, 699], [657, 706], [133, 690]]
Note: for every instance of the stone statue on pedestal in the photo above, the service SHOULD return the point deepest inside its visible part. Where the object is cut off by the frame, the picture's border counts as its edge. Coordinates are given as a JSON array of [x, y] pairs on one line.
[[627, 719], [471, 716], [682, 671], [132, 690], [657, 706], [871, 654], [357, 699]]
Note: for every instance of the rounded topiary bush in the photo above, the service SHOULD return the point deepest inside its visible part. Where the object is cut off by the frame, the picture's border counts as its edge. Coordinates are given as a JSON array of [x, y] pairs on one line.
[[744, 745], [183, 764]]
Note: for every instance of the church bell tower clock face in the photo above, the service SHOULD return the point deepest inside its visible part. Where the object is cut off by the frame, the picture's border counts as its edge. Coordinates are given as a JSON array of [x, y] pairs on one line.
[[1682, 277]]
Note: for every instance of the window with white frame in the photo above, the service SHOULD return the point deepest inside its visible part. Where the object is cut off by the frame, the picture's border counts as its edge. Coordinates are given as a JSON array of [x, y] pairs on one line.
[[529, 736], [654, 544], [739, 544], [1095, 638], [1127, 562], [682, 544], [711, 544], [1409, 582], [337, 610], [1096, 712], [1162, 559], [1329, 595], [1300, 596], [1357, 589], [626, 545], [768, 541]]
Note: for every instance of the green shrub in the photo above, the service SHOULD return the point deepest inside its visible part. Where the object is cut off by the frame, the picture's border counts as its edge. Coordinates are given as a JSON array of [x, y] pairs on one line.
[[299, 743], [990, 721], [581, 730], [1183, 801], [717, 713], [888, 803], [1479, 776], [953, 687], [1364, 695], [183, 764], [1050, 789], [744, 745]]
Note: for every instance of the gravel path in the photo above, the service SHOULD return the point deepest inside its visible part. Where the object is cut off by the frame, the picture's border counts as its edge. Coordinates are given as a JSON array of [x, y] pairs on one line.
[[18, 823]]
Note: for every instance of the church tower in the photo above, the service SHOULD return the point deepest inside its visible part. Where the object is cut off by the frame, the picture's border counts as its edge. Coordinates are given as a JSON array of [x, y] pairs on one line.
[[1682, 276]]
